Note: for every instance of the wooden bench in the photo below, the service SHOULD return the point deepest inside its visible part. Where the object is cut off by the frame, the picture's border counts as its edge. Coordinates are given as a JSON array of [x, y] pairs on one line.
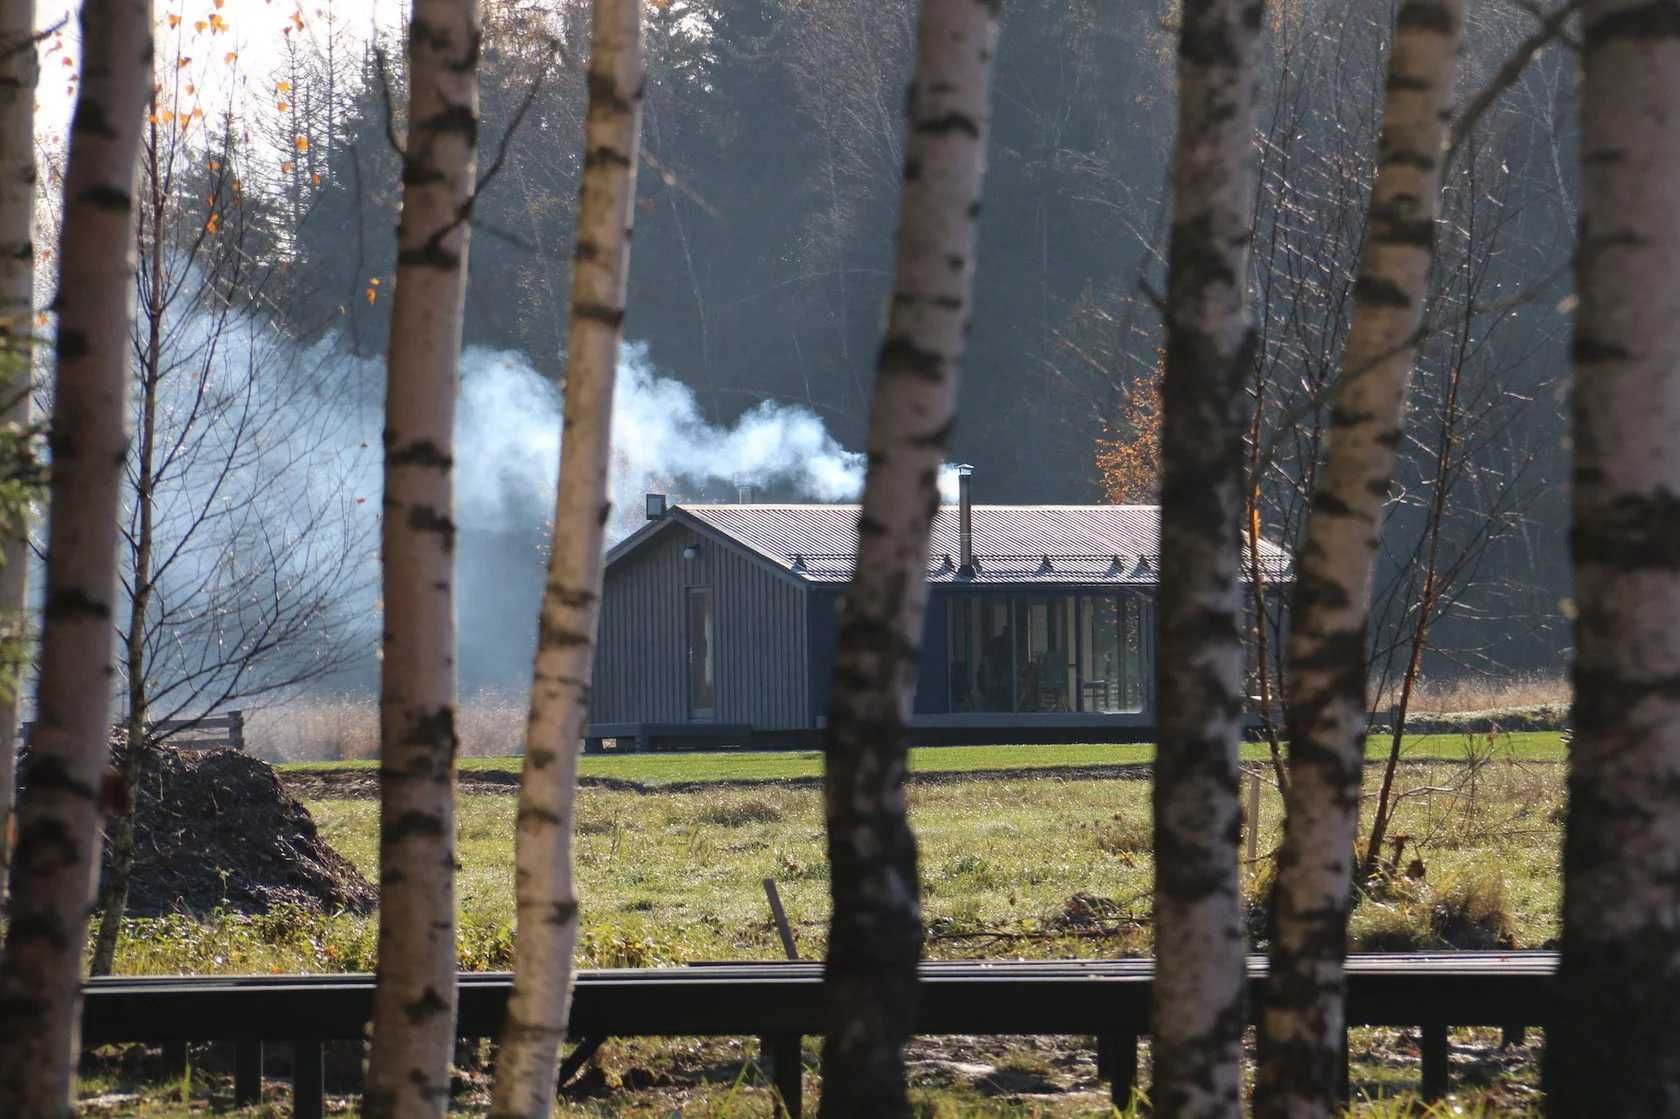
[[641, 737], [783, 1002], [212, 732]]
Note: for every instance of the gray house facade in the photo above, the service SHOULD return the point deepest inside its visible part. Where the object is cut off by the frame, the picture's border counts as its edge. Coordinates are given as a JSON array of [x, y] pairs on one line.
[[718, 624]]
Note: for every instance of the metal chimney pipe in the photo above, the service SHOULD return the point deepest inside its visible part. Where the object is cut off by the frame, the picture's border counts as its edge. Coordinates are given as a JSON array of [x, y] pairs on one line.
[[965, 521]]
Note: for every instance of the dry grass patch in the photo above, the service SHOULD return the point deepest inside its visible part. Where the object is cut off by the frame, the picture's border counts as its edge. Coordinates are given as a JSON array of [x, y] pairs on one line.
[[346, 727]]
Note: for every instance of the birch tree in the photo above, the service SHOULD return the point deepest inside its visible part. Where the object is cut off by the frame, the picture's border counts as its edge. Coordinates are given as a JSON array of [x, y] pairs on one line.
[[1200, 978], [875, 934], [1610, 1046], [545, 895], [1302, 1023], [18, 73], [414, 1002], [58, 820]]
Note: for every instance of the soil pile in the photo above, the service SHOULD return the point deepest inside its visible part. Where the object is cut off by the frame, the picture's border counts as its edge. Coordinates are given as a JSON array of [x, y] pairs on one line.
[[216, 828]]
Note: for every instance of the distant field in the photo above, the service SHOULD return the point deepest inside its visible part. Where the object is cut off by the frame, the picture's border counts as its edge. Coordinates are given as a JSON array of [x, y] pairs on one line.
[[729, 765]]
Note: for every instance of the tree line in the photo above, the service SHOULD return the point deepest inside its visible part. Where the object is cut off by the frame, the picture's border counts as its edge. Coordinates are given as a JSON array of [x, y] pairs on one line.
[[1370, 323]]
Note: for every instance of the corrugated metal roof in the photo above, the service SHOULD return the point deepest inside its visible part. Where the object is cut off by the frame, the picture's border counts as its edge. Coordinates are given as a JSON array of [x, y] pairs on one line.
[[1012, 543]]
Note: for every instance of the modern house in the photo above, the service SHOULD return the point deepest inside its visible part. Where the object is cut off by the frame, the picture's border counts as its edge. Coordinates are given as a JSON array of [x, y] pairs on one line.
[[718, 623]]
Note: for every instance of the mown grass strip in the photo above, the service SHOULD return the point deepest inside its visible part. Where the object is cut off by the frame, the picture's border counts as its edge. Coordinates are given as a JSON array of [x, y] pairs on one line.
[[736, 765]]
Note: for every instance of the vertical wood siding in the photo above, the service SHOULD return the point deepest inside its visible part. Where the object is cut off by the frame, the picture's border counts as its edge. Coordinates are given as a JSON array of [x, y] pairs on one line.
[[760, 664]]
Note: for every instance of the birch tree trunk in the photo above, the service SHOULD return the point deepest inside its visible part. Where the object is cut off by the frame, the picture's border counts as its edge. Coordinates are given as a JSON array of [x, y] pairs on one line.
[[544, 891], [19, 70], [135, 742], [1610, 1046], [414, 1003], [875, 935], [58, 834], [1200, 978], [1302, 1025]]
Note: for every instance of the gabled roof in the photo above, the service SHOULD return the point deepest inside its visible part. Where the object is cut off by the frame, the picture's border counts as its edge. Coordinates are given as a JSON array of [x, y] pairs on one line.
[[1012, 543]]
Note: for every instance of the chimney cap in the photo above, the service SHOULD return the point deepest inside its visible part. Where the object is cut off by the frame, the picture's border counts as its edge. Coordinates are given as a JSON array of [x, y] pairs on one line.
[[964, 470], [655, 506]]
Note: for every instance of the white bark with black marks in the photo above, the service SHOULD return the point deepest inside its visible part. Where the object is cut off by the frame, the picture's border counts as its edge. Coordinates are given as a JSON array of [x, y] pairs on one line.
[[1200, 981], [545, 894], [414, 1004], [875, 937], [57, 856], [1610, 1047], [153, 201], [19, 71], [1303, 1021]]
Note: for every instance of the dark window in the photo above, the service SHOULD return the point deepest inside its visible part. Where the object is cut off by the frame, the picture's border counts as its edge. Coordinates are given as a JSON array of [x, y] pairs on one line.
[[702, 690]]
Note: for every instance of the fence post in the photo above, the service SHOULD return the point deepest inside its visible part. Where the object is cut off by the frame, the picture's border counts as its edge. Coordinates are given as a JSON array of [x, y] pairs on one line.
[[1253, 815]]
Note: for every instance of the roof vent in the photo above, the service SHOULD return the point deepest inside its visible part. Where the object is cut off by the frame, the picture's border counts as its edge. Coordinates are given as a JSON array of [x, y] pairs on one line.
[[1044, 567], [798, 563], [1116, 569], [945, 564], [1143, 567]]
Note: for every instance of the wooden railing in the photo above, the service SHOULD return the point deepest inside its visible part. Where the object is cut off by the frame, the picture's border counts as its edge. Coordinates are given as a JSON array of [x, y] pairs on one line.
[[782, 1002]]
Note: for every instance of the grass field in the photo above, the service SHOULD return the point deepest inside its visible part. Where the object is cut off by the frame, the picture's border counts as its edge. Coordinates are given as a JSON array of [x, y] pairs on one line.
[[667, 768], [1022, 864], [1017, 864], [1046, 865]]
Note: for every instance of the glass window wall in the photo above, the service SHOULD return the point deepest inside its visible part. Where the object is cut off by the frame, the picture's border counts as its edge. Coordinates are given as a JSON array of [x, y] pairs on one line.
[[1047, 653]]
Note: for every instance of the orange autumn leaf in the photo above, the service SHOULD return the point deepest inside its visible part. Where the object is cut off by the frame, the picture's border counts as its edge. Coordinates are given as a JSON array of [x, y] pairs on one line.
[[217, 23], [213, 224], [282, 106], [371, 295], [174, 20], [301, 143], [282, 87], [182, 63], [297, 20], [215, 165], [231, 57], [199, 25], [286, 167], [315, 179]]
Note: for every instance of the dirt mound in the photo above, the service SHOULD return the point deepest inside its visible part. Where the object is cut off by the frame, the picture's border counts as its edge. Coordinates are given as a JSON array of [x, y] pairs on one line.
[[216, 827]]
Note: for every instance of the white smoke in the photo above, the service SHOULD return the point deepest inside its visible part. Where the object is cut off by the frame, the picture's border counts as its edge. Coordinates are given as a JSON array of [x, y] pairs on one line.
[[508, 446], [310, 468]]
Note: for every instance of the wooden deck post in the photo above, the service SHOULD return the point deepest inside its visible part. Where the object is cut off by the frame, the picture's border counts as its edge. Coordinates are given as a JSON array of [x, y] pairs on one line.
[[786, 1071], [308, 1084], [1433, 1047], [1117, 1061], [173, 1062], [247, 1073]]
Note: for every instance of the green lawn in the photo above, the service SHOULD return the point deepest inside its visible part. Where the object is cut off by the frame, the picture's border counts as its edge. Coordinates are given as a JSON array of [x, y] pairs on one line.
[[1054, 865], [738, 765]]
